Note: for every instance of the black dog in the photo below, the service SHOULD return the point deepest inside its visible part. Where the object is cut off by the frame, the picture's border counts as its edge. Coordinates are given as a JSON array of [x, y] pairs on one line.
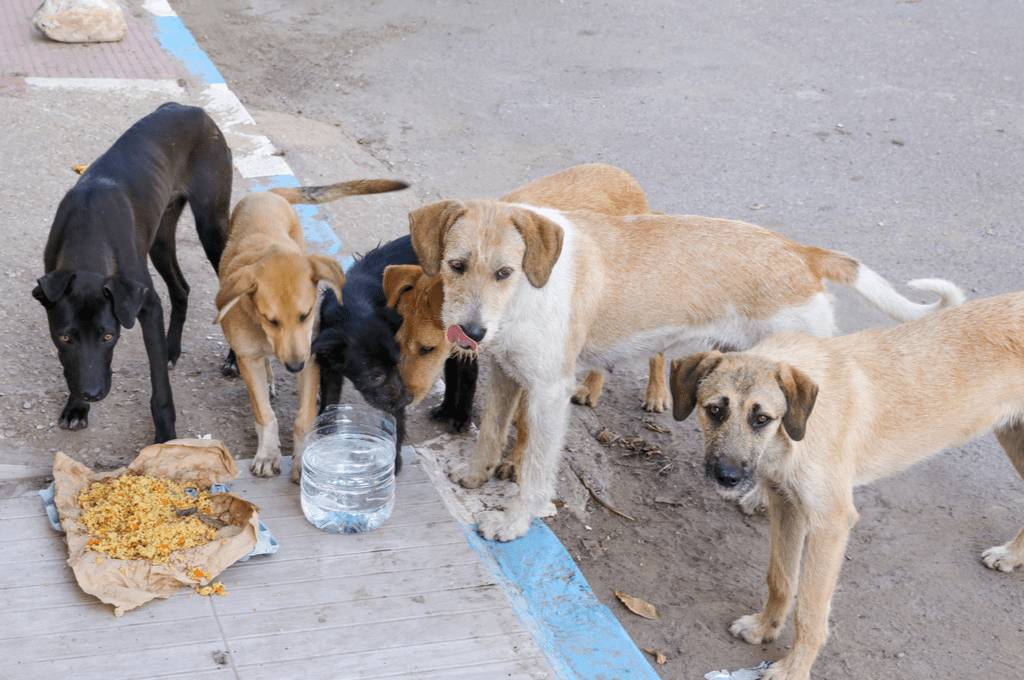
[[357, 340], [126, 205]]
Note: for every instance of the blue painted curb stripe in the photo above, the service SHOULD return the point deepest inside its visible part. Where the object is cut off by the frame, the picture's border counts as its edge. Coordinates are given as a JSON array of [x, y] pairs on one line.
[[580, 636], [177, 39]]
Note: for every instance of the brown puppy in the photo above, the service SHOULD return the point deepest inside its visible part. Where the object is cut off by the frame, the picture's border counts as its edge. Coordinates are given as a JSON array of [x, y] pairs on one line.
[[540, 291], [812, 418], [418, 298], [267, 301]]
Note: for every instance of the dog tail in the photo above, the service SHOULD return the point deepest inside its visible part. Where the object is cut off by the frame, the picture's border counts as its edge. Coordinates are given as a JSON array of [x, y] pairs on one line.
[[841, 268], [332, 192]]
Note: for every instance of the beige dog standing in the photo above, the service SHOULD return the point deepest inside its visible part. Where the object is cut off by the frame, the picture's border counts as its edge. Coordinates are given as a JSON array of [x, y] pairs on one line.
[[267, 304], [812, 418], [540, 291]]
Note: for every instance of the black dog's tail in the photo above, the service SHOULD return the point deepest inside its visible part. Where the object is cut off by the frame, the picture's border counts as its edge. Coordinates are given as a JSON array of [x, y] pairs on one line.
[[332, 192]]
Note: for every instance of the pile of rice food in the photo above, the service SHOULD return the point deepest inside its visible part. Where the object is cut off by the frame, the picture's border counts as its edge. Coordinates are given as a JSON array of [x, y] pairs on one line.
[[135, 517]]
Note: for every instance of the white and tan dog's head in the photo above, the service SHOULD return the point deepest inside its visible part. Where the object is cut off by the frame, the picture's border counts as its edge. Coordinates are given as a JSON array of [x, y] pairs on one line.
[[749, 409], [484, 251]]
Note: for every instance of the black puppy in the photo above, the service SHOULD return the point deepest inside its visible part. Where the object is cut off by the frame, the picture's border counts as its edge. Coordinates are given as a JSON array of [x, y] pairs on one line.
[[357, 340], [126, 205]]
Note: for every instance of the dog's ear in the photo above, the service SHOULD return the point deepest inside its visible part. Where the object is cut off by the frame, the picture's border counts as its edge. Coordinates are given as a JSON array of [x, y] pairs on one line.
[[801, 392], [127, 297], [686, 376], [328, 270], [400, 279], [240, 283], [428, 226], [543, 245], [435, 298], [52, 287]]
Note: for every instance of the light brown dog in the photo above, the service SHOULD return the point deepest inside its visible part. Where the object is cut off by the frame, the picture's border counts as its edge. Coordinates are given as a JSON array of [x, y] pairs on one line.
[[540, 291], [418, 298], [267, 304], [812, 418]]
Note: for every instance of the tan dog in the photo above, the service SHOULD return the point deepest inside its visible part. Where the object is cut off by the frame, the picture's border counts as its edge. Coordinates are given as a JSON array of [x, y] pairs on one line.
[[540, 291], [418, 298], [267, 302], [812, 418]]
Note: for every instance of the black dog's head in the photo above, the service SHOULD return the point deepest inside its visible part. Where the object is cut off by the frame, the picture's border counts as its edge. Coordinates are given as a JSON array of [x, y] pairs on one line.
[[86, 311], [364, 351]]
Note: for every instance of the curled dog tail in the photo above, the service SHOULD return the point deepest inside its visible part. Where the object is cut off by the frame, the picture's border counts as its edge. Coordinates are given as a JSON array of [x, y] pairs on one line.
[[332, 192], [841, 268]]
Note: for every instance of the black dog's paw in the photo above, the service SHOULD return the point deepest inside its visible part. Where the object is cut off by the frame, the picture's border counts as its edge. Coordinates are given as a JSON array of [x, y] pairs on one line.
[[398, 461], [229, 369], [455, 422], [74, 417]]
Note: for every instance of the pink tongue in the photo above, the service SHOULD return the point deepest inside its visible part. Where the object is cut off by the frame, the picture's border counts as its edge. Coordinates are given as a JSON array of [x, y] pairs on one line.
[[455, 334]]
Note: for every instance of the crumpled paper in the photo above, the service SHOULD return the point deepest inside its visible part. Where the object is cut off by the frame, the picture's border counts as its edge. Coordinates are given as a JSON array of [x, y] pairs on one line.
[[127, 584]]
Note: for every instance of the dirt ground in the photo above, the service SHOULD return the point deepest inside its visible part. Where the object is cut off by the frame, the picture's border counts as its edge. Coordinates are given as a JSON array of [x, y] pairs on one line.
[[890, 132]]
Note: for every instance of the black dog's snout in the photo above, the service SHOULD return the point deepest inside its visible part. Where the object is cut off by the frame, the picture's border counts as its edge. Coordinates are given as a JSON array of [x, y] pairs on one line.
[[404, 399], [728, 475], [295, 367], [474, 331]]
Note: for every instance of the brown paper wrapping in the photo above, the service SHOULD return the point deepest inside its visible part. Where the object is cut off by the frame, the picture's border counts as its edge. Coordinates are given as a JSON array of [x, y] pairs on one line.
[[128, 584]]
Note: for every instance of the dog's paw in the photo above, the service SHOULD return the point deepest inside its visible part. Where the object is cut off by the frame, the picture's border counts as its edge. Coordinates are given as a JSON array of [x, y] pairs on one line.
[[502, 525], [656, 401], [751, 629], [468, 477], [506, 471], [229, 368], [74, 417], [585, 396], [266, 465], [753, 502], [1003, 557]]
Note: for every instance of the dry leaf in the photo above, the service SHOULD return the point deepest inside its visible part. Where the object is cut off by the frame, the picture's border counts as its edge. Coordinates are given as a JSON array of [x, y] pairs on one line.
[[637, 606], [659, 658], [606, 436], [79, 168], [655, 427]]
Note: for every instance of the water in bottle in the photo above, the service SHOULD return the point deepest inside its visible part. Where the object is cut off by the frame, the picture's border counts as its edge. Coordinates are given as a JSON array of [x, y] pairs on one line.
[[348, 470]]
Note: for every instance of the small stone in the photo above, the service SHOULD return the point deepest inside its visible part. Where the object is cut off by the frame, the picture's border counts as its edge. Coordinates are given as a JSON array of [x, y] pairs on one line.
[[81, 21], [26, 405]]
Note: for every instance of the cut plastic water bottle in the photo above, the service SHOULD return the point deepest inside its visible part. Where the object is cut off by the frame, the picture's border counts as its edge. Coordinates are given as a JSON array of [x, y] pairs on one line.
[[348, 470]]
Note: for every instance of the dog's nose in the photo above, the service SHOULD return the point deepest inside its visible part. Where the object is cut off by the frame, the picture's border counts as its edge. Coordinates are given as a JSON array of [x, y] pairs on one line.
[[295, 366], [404, 399], [727, 475], [474, 331], [93, 394]]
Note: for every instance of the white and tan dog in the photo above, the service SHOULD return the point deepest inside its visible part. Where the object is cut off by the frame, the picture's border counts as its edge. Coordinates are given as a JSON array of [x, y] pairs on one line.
[[540, 291], [812, 418]]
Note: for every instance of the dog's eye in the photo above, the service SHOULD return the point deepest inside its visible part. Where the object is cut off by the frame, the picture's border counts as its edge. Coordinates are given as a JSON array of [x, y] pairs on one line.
[[66, 339], [377, 378], [503, 273], [107, 337], [760, 420], [303, 317], [457, 266], [274, 322], [714, 411], [426, 350]]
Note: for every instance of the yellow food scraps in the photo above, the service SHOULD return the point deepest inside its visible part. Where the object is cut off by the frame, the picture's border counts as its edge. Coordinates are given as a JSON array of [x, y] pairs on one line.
[[136, 517], [215, 588]]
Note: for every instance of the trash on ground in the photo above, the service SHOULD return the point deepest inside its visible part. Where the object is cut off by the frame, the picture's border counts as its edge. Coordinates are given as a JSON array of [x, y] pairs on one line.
[[129, 583], [742, 674]]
